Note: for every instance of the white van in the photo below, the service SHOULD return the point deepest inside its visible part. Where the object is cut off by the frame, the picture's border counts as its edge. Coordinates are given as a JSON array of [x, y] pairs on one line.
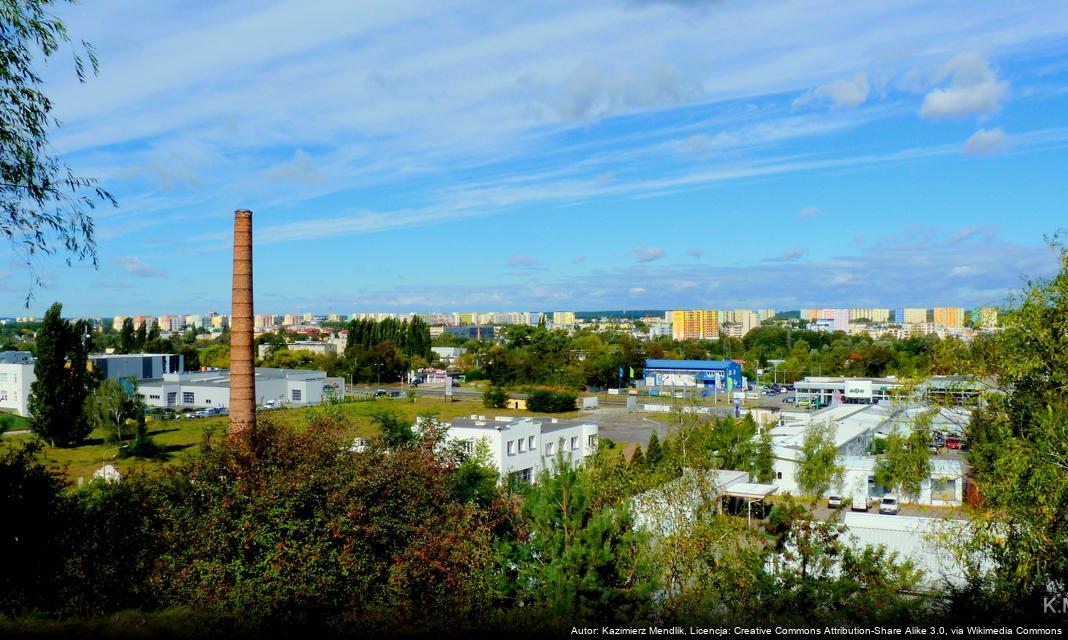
[[861, 503], [889, 505]]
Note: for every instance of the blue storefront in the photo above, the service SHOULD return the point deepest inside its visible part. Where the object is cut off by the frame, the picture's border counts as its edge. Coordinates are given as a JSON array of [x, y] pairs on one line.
[[693, 373]]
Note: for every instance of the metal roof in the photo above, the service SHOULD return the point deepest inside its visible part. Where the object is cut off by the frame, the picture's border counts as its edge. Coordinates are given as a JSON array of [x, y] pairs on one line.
[[690, 364]]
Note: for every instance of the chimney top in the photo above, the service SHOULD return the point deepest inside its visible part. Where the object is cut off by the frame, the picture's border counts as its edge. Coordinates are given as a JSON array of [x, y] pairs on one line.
[[241, 213]]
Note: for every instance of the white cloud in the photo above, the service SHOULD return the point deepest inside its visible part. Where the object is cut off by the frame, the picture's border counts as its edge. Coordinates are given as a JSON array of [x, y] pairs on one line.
[[809, 212], [844, 94], [695, 252], [985, 142], [137, 267], [985, 232], [647, 254], [300, 169], [973, 89]]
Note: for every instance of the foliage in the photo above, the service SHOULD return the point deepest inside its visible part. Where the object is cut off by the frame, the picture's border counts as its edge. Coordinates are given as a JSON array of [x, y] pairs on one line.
[[495, 398], [42, 202], [818, 469], [1019, 449], [396, 430], [112, 410], [546, 401], [577, 563], [906, 463], [62, 383]]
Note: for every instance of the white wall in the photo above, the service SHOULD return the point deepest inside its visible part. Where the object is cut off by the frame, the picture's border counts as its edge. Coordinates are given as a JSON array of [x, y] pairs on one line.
[[526, 444], [15, 381]]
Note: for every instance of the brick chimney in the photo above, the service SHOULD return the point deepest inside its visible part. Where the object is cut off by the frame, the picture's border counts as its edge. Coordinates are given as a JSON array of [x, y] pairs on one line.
[[242, 372]]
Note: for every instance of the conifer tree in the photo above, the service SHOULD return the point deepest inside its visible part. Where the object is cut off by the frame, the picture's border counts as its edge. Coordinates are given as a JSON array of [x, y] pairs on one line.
[[63, 381]]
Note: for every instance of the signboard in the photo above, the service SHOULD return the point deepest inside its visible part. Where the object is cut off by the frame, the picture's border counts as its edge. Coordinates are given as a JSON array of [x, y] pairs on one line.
[[858, 389], [448, 386]]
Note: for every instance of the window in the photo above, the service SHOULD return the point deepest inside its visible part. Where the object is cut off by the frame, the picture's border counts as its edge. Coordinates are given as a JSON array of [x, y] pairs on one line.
[[591, 441], [296, 395], [3, 395], [548, 448], [778, 475], [511, 447], [522, 445], [172, 397], [520, 477], [3, 377], [208, 401], [574, 443], [530, 443], [944, 489], [187, 397]]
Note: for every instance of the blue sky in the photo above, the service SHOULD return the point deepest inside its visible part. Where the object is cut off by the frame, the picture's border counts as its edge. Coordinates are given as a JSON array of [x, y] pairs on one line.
[[595, 155]]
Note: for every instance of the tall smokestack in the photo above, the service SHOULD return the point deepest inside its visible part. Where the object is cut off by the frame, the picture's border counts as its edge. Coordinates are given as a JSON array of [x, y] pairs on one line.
[[242, 373]]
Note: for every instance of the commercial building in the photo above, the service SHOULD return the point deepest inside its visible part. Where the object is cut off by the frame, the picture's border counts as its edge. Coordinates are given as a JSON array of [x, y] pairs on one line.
[[521, 448], [949, 316], [448, 354], [16, 376], [697, 324], [136, 366], [693, 373], [823, 391], [211, 389], [563, 319]]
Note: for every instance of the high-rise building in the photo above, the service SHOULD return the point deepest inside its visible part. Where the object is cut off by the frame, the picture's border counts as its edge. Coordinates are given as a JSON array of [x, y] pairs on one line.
[[914, 316], [949, 316], [308, 317], [563, 319], [697, 324], [220, 322], [810, 314], [874, 315], [116, 324], [985, 317]]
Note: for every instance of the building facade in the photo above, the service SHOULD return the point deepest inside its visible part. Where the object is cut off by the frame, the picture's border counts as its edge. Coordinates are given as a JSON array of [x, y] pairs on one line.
[[521, 448], [16, 376], [211, 389], [716, 374], [949, 316]]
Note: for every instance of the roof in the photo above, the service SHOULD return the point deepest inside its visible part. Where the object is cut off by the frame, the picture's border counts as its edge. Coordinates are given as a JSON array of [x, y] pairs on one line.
[[503, 422], [115, 356], [751, 490], [690, 364], [16, 357]]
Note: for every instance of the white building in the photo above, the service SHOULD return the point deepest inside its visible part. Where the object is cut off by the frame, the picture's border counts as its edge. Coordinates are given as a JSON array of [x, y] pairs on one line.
[[211, 389], [521, 448], [855, 426], [16, 376], [316, 347], [448, 354]]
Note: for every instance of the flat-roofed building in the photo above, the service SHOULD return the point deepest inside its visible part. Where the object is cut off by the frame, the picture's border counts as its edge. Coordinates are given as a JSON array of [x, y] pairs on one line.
[[695, 324], [136, 366], [521, 448], [913, 315], [211, 389], [949, 316], [16, 376]]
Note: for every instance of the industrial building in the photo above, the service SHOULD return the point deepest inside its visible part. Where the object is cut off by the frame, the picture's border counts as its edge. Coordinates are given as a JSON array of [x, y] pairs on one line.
[[521, 448], [825, 391], [16, 376], [211, 389], [136, 366], [693, 373]]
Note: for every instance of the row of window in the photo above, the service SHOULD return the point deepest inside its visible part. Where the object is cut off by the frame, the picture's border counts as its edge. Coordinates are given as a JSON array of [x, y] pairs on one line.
[[522, 445], [14, 378]]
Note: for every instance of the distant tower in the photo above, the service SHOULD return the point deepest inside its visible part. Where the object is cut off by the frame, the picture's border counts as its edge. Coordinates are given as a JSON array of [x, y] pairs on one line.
[[242, 373]]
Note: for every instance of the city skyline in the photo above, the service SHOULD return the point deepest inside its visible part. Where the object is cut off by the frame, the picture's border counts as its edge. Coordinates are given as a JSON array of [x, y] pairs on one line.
[[884, 154]]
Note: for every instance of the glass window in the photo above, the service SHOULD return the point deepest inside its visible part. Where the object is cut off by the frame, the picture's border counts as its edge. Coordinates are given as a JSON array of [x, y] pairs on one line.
[[187, 397], [296, 395], [548, 448], [574, 443], [522, 445], [511, 447], [530, 443]]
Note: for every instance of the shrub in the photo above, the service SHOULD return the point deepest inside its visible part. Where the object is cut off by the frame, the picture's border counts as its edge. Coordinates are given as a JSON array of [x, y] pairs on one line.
[[551, 401], [495, 398]]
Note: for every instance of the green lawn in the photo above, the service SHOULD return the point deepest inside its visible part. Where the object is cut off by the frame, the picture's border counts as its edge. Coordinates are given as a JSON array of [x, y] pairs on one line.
[[182, 436], [17, 422]]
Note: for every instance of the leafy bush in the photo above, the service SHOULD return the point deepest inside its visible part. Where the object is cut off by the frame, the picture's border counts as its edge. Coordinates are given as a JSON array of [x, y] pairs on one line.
[[546, 401], [495, 398]]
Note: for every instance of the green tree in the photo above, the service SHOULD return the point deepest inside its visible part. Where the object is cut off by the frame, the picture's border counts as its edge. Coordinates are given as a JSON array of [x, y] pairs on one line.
[[127, 338], [119, 414], [495, 398], [43, 204], [141, 337], [817, 466], [57, 396], [579, 563], [396, 430], [906, 462], [654, 453], [763, 467]]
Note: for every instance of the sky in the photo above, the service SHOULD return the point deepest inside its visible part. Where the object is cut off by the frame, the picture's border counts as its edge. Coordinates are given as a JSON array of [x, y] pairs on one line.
[[415, 156]]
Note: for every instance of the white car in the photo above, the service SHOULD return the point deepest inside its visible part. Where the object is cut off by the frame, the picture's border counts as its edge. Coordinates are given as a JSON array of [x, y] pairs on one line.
[[834, 502], [889, 505]]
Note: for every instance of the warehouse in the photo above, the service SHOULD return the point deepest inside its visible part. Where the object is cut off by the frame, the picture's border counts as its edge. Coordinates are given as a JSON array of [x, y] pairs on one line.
[[138, 366], [693, 373]]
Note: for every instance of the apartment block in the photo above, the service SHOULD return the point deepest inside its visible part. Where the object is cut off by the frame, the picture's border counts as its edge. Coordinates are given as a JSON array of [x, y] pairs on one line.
[[949, 316]]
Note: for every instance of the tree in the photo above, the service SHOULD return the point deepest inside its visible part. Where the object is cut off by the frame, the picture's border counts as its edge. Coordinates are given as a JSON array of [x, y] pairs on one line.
[[653, 451], [906, 462], [495, 398], [764, 459], [396, 431], [127, 339], [57, 396], [817, 468], [141, 337], [43, 204], [119, 414]]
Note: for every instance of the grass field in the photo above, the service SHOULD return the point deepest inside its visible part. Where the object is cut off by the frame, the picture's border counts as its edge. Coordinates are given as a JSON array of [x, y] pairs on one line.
[[183, 436]]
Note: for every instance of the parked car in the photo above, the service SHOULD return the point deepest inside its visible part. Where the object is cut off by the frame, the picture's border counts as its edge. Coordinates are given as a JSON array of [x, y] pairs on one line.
[[380, 393], [790, 399], [953, 442], [834, 502], [860, 503], [889, 505]]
